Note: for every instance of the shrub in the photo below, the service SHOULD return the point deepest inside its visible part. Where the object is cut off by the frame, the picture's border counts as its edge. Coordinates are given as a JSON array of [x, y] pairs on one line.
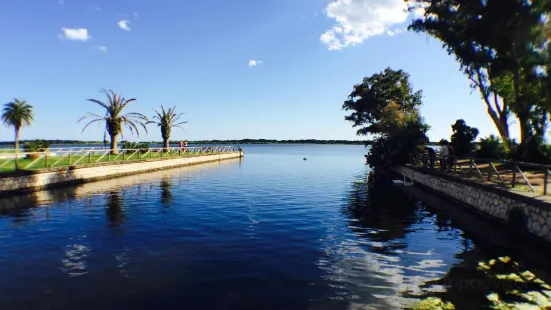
[[463, 137], [493, 148], [142, 146], [36, 146], [533, 150]]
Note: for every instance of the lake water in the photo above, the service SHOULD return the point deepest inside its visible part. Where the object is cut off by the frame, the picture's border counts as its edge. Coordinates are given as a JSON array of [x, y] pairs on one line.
[[270, 231]]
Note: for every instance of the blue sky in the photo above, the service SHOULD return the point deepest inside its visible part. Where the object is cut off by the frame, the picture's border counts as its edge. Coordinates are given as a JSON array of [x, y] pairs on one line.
[[276, 69]]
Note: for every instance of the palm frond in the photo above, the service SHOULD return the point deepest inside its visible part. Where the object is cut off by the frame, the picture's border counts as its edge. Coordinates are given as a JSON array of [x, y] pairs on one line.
[[91, 122], [17, 113], [100, 103]]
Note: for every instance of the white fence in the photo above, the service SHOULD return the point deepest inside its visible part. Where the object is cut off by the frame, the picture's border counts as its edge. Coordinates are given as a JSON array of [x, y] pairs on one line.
[[56, 157]]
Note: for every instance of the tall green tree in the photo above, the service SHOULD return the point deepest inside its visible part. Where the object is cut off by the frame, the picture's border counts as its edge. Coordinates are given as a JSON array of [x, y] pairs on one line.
[[167, 120], [114, 118], [17, 114], [386, 108], [499, 44], [463, 137]]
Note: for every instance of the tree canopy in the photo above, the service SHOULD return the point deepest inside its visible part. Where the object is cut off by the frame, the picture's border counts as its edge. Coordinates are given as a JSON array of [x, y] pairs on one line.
[[463, 137], [386, 108], [503, 47], [114, 118], [17, 114]]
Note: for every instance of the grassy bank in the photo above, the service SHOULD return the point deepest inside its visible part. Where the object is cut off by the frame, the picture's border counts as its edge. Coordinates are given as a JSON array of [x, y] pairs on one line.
[[8, 165]]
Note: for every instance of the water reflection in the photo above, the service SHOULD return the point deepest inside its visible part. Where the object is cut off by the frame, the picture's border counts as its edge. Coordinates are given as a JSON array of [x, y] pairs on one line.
[[382, 216], [166, 193], [371, 268], [492, 271], [115, 212]]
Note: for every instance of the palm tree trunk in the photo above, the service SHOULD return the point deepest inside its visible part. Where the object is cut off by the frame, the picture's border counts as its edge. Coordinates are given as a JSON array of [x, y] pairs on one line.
[[165, 143], [16, 145], [114, 145]]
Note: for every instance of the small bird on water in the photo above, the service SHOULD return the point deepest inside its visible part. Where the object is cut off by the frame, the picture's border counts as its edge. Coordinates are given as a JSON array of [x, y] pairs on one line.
[[304, 158]]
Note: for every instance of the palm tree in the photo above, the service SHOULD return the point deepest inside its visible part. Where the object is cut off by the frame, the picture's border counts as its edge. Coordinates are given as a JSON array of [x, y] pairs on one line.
[[167, 120], [114, 119], [17, 114]]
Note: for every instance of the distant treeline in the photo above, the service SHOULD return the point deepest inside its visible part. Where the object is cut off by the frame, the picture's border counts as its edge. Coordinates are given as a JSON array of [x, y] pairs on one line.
[[269, 141], [242, 141]]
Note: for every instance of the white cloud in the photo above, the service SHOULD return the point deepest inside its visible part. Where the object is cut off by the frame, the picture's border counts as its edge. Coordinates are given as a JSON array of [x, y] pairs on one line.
[[124, 24], [79, 34], [357, 20], [394, 32], [253, 63], [102, 49]]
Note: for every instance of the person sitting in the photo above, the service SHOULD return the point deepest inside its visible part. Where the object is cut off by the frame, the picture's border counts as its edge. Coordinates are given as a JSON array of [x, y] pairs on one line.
[[431, 154], [444, 156]]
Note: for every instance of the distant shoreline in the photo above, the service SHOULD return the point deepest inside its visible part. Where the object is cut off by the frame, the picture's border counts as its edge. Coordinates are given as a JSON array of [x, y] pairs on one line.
[[243, 141]]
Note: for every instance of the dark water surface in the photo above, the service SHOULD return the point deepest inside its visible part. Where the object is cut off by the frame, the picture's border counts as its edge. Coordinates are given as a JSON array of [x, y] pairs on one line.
[[271, 231]]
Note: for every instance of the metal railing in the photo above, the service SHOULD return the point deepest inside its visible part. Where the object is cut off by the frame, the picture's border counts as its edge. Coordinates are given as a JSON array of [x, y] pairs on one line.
[[89, 155], [503, 172]]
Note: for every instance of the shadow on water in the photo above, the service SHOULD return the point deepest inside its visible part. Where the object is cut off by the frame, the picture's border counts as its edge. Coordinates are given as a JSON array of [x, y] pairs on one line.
[[487, 266], [380, 215], [166, 192], [497, 269], [19, 206], [114, 208]]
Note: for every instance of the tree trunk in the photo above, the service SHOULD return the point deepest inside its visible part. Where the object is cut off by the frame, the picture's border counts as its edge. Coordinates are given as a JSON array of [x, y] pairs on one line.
[[525, 128], [165, 143], [16, 146], [501, 123], [114, 145]]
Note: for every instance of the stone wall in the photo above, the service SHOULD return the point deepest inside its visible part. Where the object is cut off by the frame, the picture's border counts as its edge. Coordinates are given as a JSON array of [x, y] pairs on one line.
[[83, 174], [529, 214]]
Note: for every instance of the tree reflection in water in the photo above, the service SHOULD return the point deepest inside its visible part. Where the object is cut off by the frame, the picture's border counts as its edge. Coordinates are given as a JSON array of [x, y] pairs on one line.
[[166, 192], [115, 212], [381, 215]]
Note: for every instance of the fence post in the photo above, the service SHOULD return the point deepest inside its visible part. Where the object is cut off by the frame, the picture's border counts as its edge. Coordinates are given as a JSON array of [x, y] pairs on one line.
[[489, 172], [69, 158], [470, 167], [514, 182], [545, 181], [123, 154], [109, 156], [90, 157], [45, 159]]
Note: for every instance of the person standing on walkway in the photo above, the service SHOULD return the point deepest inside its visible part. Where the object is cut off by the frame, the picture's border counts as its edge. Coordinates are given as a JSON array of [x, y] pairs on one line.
[[181, 145], [451, 158], [444, 156]]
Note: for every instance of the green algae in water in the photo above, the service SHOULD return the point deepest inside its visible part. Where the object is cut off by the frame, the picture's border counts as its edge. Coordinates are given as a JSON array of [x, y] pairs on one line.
[[432, 303]]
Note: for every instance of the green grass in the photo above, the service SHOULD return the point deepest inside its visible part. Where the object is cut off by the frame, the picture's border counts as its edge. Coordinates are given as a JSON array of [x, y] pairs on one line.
[[87, 160]]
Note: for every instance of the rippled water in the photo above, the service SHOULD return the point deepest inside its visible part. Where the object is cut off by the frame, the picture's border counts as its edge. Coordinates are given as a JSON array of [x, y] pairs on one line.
[[271, 231]]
